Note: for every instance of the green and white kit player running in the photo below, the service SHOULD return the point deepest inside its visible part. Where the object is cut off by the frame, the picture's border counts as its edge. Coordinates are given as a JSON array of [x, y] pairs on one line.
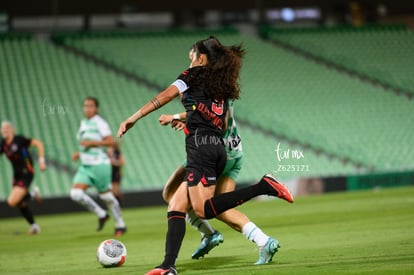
[[227, 182], [95, 167]]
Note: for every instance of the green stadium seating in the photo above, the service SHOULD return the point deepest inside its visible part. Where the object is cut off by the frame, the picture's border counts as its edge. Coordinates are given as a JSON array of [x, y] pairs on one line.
[[310, 104], [43, 97], [383, 53], [341, 124]]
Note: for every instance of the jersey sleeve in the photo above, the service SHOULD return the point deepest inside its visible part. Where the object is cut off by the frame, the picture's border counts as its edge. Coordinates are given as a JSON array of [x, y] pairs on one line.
[[25, 142], [181, 85], [183, 81]]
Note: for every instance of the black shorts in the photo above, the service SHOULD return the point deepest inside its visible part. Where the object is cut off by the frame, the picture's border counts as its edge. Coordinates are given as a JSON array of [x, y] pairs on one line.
[[23, 180], [206, 158], [116, 174]]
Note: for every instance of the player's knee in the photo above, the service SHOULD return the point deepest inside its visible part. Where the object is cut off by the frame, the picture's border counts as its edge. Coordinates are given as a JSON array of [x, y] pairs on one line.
[[12, 203], [199, 211], [165, 195], [76, 194], [108, 197]]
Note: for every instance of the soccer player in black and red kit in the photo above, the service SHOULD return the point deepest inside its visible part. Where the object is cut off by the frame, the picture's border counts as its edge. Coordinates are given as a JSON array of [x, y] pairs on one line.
[[205, 89], [16, 148]]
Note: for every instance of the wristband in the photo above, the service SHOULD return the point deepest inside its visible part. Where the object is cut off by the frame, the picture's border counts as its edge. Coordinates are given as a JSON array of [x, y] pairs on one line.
[[176, 116], [42, 159]]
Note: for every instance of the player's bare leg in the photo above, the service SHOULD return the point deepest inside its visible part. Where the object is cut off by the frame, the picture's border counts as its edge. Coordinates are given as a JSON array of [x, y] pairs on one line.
[[18, 198], [175, 180]]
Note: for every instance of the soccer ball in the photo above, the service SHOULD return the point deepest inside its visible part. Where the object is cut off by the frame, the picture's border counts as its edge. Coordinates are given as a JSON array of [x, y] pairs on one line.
[[111, 253]]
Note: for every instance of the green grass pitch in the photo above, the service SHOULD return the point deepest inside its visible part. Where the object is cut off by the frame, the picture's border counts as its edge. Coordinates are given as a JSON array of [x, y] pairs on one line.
[[364, 232]]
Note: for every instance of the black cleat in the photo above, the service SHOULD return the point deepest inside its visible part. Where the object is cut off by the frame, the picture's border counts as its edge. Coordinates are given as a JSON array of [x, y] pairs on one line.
[[101, 222]]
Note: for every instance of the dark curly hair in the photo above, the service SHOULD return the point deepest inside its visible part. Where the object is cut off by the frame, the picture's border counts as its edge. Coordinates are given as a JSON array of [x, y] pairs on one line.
[[220, 76]]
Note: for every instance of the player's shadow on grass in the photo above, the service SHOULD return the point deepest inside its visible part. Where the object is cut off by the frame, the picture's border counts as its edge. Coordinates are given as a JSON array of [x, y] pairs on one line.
[[210, 263]]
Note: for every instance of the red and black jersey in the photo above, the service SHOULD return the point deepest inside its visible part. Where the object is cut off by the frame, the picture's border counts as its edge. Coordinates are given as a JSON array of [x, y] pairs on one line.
[[203, 113], [18, 154]]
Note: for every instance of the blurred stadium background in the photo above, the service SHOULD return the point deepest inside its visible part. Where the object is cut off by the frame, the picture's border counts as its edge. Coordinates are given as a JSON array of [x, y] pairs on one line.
[[327, 102]]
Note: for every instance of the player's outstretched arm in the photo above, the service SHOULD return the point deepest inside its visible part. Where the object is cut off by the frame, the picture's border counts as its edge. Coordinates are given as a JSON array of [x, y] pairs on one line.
[[157, 102], [40, 151]]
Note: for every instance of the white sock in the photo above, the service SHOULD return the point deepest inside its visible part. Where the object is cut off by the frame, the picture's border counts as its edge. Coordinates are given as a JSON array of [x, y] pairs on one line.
[[86, 201], [35, 226], [255, 234], [113, 205], [201, 225]]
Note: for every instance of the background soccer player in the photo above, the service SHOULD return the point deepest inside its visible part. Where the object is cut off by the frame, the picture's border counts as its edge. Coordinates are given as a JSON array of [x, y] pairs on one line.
[[117, 162], [95, 167], [16, 148]]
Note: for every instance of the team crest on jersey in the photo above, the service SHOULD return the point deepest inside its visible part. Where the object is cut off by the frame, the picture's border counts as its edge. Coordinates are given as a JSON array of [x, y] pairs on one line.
[[13, 147], [217, 107]]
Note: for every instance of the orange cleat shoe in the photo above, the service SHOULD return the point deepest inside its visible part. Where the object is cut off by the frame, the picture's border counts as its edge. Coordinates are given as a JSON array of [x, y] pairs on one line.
[[277, 189], [120, 231], [162, 271]]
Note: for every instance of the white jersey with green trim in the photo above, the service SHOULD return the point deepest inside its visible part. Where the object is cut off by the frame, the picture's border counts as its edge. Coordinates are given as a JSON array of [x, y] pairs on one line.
[[231, 137], [95, 128]]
